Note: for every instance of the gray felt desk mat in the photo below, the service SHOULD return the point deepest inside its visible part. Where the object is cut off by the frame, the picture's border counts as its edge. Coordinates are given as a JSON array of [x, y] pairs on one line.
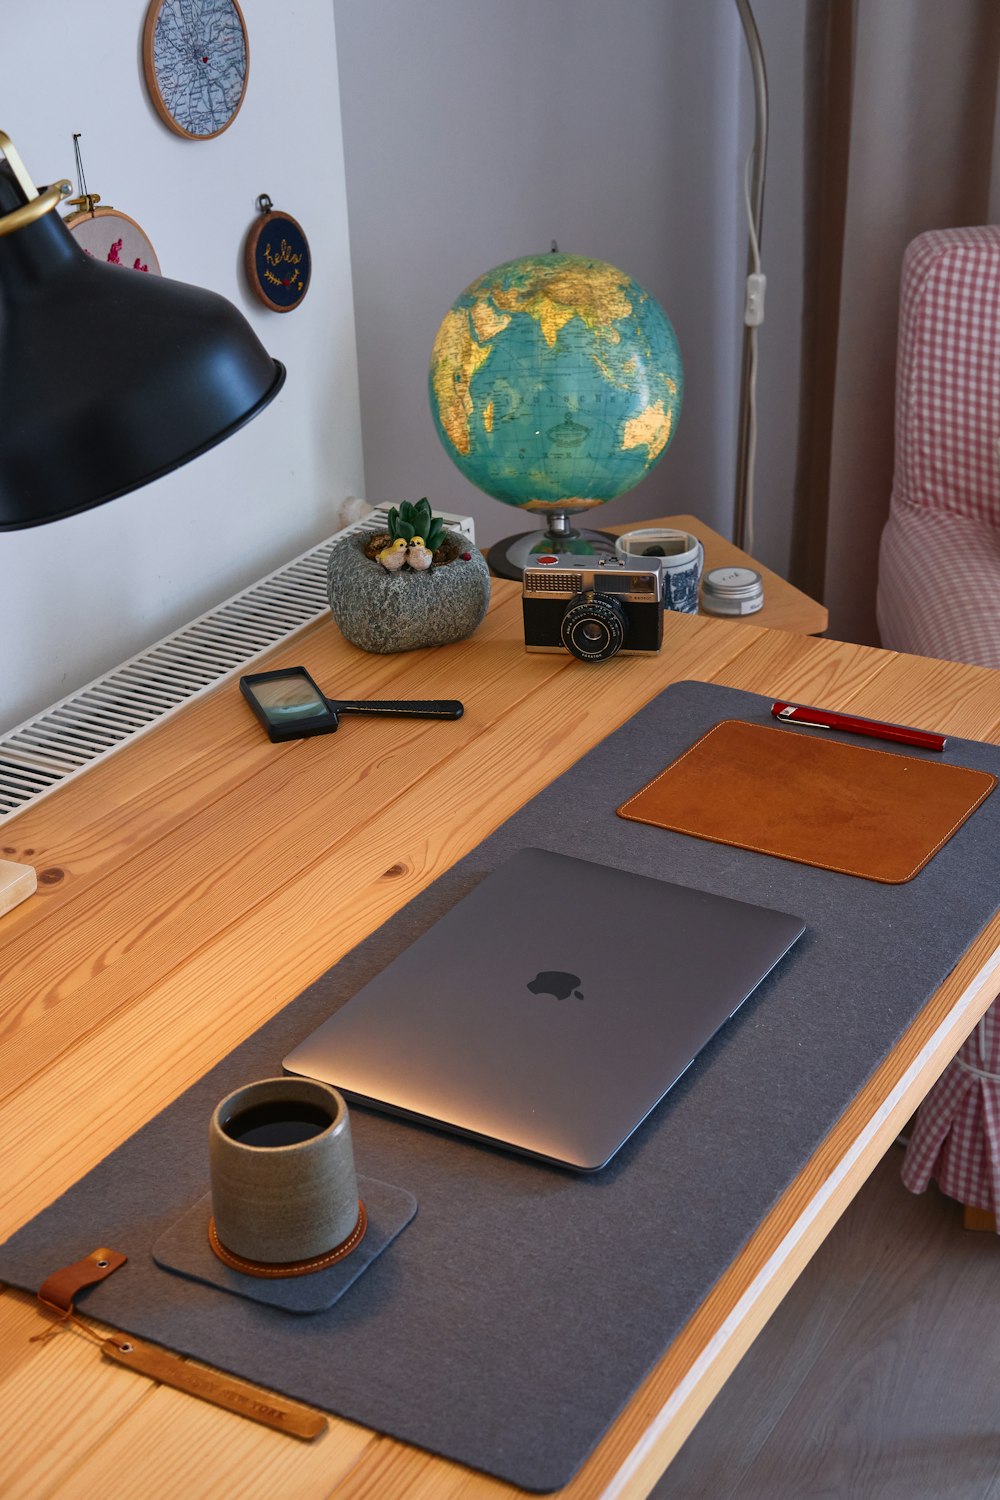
[[512, 1321]]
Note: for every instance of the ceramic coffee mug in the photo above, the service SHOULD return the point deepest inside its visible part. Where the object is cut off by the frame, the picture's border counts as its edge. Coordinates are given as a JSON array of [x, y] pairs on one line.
[[284, 1188], [681, 558]]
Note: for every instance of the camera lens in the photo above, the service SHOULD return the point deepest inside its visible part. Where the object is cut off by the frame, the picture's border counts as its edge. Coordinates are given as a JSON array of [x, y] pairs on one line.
[[594, 626]]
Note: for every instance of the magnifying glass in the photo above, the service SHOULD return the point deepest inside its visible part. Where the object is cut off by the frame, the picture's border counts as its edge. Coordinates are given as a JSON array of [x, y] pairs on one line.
[[291, 707]]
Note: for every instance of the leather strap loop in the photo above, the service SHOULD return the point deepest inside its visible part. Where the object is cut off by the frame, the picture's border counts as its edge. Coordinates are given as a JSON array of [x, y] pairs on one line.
[[58, 1290]]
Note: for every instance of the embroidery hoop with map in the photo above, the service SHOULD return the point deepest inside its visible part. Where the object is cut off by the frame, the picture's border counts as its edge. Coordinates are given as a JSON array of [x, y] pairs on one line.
[[196, 59]]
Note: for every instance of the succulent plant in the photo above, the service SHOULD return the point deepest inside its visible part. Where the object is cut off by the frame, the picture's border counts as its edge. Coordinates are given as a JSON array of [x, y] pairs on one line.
[[412, 520]]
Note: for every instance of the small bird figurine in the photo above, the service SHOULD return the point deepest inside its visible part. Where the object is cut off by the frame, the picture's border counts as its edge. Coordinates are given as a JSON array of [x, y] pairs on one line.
[[393, 557], [417, 555]]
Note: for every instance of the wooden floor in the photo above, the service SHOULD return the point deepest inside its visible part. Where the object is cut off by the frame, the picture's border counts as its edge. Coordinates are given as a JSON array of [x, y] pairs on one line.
[[878, 1378]]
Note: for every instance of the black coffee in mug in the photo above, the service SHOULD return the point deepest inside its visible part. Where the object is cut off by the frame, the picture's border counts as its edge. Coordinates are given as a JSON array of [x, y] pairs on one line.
[[277, 1122]]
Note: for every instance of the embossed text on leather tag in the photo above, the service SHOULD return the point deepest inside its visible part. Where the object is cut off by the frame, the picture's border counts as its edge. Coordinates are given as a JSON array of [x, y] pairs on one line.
[[210, 1385]]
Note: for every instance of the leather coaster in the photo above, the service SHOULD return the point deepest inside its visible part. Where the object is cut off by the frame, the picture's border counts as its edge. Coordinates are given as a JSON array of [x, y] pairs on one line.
[[295, 1267], [184, 1250], [873, 813]]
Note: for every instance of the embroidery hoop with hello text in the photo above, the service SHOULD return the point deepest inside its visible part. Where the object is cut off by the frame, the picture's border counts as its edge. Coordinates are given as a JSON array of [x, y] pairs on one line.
[[278, 259]]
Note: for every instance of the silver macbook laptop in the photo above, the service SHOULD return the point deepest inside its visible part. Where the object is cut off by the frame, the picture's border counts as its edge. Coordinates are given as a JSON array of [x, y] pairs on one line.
[[551, 1008]]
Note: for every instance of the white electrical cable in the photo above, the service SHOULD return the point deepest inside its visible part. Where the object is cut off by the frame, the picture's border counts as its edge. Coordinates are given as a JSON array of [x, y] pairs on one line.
[[753, 316], [754, 244], [751, 441]]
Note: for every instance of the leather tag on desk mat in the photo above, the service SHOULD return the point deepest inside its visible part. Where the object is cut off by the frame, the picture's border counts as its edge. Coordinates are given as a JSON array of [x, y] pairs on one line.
[[820, 802], [57, 1293]]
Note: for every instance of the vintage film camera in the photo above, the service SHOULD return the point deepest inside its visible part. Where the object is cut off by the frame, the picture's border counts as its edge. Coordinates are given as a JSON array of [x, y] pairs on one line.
[[593, 607]]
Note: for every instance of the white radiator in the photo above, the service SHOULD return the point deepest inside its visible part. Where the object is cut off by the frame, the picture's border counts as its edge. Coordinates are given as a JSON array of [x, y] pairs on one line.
[[62, 741]]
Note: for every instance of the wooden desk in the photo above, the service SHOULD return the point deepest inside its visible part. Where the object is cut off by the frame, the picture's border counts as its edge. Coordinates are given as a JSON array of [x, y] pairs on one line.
[[181, 883]]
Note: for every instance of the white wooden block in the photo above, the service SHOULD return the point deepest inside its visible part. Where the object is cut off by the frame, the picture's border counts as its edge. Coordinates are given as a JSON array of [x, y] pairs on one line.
[[17, 883]]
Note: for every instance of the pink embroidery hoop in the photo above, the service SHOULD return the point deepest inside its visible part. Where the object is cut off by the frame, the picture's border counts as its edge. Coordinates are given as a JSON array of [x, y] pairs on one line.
[[108, 234]]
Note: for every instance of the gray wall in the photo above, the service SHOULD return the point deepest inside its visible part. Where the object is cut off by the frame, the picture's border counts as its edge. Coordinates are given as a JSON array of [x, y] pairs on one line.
[[476, 131]]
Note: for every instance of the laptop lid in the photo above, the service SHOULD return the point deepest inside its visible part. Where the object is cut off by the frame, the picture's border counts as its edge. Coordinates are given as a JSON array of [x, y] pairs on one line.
[[551, 1008]]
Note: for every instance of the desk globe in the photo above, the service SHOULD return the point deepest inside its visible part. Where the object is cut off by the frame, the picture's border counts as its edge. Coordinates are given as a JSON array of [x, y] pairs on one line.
[[555, 386]]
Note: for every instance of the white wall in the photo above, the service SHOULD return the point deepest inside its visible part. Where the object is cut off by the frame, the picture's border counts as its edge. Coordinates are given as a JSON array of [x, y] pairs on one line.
[[475, 132], [619, 131], [80, 595]]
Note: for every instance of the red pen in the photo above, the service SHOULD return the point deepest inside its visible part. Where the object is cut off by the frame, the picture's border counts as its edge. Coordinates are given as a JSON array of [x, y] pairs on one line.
[[819, 718]]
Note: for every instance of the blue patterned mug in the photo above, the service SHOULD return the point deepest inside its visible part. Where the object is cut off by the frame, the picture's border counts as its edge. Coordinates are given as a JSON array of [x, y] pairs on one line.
[[681, 557]]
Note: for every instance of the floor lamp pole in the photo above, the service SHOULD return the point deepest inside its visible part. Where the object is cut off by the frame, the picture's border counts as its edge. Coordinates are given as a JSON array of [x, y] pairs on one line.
[[759, 165]]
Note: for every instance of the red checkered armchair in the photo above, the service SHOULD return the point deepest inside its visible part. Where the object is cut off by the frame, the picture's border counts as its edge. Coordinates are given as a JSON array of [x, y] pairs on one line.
[[939, 595], [939, 566]]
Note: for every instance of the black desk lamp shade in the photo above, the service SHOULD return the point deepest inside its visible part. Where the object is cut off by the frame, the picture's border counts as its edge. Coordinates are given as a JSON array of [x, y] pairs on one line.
[[108, 377]]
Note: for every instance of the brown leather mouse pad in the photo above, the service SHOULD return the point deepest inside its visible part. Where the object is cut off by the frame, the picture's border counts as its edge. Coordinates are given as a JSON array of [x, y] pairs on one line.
[[841, 807]]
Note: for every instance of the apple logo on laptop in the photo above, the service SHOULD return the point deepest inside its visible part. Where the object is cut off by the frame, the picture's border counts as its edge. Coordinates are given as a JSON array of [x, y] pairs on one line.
[[556, 982]]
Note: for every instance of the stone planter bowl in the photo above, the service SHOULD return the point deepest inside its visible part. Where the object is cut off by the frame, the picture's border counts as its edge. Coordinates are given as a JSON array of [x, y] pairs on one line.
[[386, 612]]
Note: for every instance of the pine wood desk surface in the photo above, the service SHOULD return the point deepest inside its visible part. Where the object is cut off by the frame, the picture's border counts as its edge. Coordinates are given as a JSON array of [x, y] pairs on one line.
[[180, 884], [785, 607]]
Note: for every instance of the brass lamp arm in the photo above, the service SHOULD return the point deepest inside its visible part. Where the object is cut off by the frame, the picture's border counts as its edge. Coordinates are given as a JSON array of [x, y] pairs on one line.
[[38, 203]]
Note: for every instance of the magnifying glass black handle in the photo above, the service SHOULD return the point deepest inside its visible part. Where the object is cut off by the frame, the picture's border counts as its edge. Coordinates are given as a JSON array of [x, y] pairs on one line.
[[403, 708]]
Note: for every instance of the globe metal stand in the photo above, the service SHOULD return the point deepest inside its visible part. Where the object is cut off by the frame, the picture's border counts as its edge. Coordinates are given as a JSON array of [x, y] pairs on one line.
[[509, 557]]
